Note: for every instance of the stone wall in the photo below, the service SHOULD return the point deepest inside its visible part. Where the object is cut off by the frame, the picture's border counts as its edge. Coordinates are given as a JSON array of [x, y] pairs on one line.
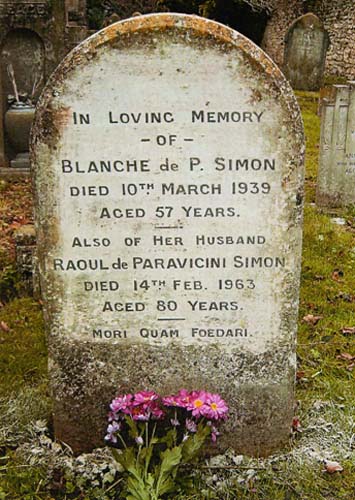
[[339, 20], [276, 29]]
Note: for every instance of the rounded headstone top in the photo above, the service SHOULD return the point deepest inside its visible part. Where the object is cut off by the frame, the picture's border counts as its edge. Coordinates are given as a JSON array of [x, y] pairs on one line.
[[310, 21], [152, 91], [142, 31]]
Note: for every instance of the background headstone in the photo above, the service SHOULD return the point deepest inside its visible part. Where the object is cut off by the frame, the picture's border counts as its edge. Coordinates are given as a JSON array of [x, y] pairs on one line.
[[168, 165], [306, 47], [336, 174], [326, 94], [35, 35], [25, 253]]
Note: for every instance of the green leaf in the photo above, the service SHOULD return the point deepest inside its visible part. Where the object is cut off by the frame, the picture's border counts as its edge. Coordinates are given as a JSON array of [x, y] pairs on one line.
[[167, 485], [150, 481], [133, 429], [128, 461], [169, 438], [170, 460], [137, 488], [146, 456], [116, 455], [194, 442]]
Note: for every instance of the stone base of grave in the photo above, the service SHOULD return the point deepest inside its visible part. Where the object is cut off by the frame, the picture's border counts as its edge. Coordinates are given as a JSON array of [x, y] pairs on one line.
[[13, 173], [328, 200], [22, 161], [85, 378]]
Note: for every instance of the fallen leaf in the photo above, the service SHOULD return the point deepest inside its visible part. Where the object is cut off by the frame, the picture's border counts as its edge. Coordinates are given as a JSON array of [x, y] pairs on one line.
[[311, 320], [296, 425], [348, 330], [310, 305], [337, 275], [346, 356], [4, 327], [300, 374], [332, 467]]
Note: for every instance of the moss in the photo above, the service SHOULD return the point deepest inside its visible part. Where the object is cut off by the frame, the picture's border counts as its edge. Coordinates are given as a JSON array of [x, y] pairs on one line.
[[20, 412], [20, 481], [335, 80]]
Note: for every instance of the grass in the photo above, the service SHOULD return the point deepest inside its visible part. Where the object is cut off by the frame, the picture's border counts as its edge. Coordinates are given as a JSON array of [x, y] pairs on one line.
[[325, 389], [23, 360], [309, 105]]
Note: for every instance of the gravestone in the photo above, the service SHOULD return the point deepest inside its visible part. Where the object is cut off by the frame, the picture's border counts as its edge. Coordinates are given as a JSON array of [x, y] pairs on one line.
[[306, 46], [336, 174], [325, 95], [167, 154]]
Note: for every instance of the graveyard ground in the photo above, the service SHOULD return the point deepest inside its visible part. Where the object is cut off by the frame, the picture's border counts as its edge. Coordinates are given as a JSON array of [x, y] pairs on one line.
[[32, 466]]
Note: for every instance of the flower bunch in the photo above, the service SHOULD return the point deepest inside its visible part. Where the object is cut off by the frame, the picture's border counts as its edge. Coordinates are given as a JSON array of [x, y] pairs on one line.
[[158, 434], [185, 408]]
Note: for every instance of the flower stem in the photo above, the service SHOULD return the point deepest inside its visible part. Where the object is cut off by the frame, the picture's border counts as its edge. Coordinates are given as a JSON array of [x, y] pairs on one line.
[[138, 454], [122, 440]]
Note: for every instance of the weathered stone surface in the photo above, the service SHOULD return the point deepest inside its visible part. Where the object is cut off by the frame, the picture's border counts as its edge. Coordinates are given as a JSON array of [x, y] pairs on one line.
[[336, 174], [326, 94], [306, 47], [168, 165]]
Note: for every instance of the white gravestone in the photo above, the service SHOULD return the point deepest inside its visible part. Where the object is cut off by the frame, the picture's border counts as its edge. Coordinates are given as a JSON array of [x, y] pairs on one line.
[[336, 175], [168, 164]]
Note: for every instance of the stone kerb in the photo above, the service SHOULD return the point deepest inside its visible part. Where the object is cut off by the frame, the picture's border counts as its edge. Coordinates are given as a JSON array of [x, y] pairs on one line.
[[336, 174], [167, 155], [306, 45]]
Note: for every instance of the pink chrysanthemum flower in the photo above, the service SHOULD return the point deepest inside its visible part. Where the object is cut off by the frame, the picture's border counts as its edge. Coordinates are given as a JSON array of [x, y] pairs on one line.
[[183, 398], [144, 397], [170, 401], [121, 403], [156, 412], [215, 407], [197, 403], [140, 413]]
